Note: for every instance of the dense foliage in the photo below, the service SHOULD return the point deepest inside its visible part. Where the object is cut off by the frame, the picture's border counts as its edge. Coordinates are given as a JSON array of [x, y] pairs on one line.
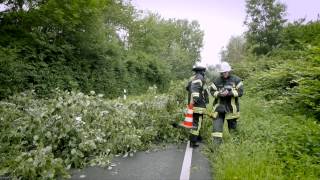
[[289, 76], [279, 128], [100, 45], [43, 138]]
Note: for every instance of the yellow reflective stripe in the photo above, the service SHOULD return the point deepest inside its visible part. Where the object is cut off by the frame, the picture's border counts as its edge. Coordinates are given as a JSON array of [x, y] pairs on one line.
[[211, 112], [195, 94], [199, 123], [232, 116], [233, 104], [196, 132], [215, 115], [199, 110], [239, 85], [197, 81], [214, 87], [235, 93], [216, 134], [215, 94], [205, 89]]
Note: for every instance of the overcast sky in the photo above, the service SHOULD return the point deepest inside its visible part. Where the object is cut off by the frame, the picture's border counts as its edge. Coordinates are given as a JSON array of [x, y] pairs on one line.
[[220, 19]]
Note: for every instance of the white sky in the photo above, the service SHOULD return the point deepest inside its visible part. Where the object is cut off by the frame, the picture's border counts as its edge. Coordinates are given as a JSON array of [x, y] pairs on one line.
[[220, 19]]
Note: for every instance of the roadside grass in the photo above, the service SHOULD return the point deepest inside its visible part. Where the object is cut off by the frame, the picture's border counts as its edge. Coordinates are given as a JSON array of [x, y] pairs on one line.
[[270, 145]]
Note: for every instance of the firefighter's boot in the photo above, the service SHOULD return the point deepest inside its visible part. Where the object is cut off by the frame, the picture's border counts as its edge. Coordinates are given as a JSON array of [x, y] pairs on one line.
[[194, 141]]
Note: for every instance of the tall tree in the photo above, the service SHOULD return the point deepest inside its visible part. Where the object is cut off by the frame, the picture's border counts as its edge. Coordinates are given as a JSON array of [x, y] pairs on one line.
[[265, 19], [235, 50]]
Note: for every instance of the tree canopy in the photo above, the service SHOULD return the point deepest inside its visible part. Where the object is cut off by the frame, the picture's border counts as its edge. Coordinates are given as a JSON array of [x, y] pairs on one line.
[[265, 19], [100, 45]]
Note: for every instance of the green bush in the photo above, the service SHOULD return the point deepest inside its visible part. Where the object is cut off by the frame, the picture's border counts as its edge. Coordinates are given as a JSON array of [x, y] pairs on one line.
[[291, 85]]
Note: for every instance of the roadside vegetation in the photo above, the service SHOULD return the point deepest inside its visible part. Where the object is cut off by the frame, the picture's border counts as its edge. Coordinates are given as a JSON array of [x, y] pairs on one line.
[[64, 67], [279, 130]]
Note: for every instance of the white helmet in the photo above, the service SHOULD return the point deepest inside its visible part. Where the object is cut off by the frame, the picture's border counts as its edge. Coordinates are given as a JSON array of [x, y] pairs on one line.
[[224, 67]]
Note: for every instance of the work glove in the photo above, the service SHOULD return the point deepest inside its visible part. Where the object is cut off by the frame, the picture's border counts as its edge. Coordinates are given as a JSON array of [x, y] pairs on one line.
[[223, 93]]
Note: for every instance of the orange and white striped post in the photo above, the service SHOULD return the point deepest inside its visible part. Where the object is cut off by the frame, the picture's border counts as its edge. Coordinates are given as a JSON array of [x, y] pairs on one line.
[[188, 119]]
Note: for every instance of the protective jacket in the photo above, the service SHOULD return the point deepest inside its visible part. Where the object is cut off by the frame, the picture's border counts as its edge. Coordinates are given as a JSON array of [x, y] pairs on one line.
[[196, 93], [228, 104]]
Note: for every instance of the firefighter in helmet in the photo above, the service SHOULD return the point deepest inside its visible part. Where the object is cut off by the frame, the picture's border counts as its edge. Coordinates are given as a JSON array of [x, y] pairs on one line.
[[197, 96], [226, 91]]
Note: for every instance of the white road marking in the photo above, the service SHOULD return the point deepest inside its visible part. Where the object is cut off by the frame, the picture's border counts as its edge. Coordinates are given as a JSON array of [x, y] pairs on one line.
[[186, 165]]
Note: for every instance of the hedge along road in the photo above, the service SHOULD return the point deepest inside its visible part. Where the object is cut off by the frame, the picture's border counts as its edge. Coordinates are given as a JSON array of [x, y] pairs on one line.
[[174, 162]]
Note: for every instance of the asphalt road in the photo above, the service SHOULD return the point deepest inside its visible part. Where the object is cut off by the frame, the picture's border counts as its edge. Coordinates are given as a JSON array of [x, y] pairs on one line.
[[162, 164]]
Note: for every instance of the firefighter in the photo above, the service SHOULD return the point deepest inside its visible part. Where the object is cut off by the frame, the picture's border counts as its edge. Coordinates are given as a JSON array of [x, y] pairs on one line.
[[226, 91], [197, 97]]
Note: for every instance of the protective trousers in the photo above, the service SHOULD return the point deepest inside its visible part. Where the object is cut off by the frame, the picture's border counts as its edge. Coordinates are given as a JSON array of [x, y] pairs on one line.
[[218, 127], [195, 133]]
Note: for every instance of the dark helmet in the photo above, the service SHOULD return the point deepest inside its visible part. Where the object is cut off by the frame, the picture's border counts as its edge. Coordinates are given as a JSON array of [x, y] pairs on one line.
[[198, 69]]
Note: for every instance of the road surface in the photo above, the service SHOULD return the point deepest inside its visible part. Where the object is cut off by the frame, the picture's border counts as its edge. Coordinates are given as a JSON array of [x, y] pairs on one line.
[[170, 163]]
